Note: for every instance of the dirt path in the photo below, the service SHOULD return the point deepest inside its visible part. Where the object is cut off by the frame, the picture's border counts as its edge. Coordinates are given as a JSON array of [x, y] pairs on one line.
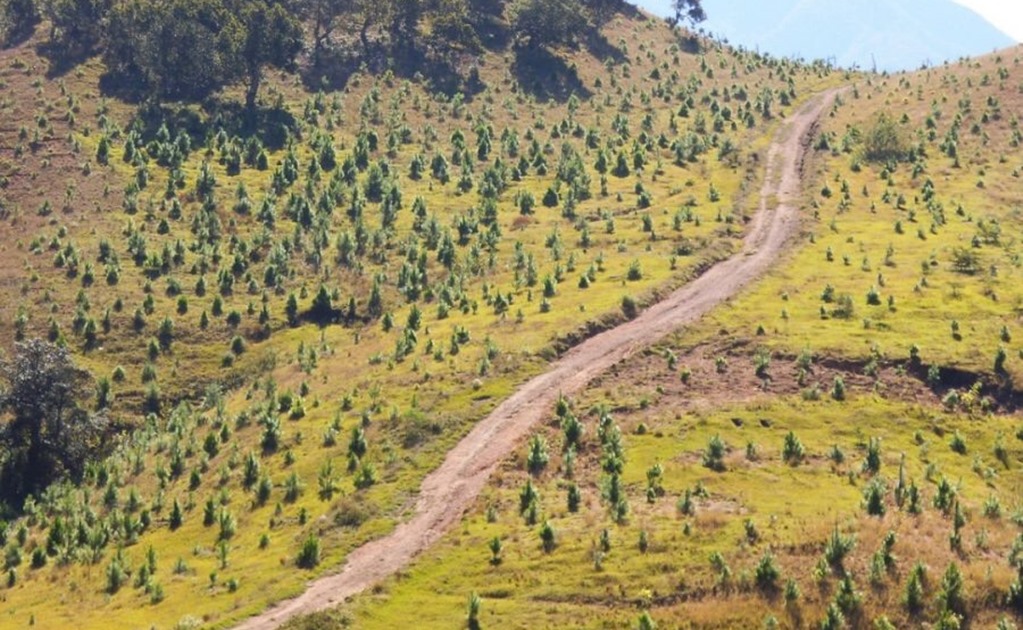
[[448, 491]]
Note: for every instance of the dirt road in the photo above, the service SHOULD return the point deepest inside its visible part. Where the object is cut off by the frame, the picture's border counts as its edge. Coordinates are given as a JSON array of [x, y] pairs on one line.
[[453, 487]]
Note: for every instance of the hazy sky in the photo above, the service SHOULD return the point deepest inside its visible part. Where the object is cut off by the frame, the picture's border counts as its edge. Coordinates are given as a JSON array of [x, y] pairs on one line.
[[1007, 15]]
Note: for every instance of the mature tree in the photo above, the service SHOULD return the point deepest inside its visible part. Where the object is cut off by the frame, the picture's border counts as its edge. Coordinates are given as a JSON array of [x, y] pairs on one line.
[[328, 18], [449, 24], [269, 36], [369, 15], [484, 11], [45, 434], [178, 49], [403, 23], [688, 10], [76, 24], [17, 18], [452, 24], [539, 23], [324, 16], [188, 49], [603, 10]]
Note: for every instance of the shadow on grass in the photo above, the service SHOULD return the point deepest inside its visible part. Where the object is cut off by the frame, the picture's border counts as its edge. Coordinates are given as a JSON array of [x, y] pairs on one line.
[[62, 57], [602, 49], [272, 126], [546, 76], [18, 35], [448, 72], [334, 70]]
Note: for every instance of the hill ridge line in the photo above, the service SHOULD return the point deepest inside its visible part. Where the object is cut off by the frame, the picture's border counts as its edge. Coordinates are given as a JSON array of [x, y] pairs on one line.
[[452, 487]]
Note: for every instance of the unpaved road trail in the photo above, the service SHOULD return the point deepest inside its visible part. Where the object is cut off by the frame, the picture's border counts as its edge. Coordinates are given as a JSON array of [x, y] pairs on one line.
[[449, 490]]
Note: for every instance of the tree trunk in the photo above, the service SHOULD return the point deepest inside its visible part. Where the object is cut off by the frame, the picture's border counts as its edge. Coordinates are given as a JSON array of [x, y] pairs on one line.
[[364, 36], [34, 468], [252, 91], [317, 41]]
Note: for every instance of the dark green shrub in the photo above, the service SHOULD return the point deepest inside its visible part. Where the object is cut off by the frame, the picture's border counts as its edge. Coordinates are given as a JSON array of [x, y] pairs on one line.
[[309, 554]]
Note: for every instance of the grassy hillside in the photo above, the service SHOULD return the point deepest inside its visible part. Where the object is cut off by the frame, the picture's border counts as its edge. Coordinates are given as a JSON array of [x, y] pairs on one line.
[[837, 448], [294, 326]]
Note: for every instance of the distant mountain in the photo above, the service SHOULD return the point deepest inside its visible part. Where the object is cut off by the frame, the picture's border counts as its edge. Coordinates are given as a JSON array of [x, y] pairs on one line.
[[899, 35]]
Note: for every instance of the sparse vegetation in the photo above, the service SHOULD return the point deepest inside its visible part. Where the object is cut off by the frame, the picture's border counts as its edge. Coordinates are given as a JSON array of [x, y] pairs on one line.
[[271, 314]]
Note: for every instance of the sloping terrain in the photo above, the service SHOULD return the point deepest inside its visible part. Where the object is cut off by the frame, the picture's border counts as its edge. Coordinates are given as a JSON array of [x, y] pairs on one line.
[[334, 328], [457, 482], [295, 327], [838, 447]]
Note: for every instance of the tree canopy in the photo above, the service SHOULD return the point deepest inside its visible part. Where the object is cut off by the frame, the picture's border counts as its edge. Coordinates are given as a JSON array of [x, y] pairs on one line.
[[180, 49], [547, 22], [688, 10], [187, 49], [76, 24], [45, 435], [17, 17], [191, 49]]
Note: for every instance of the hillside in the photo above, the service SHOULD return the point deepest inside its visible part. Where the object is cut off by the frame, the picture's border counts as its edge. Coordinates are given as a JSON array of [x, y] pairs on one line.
[[291, 327], [839, 447], [869, 34], [529, 314]]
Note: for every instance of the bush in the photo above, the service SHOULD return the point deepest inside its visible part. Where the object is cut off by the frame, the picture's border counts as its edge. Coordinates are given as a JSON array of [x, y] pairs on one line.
[[874, 498], [177, 517], [38, 558], [263, 490], [944, 496], [365, 477], [833, 618], [766, 573], [965, 261], [884, 141], [913, 597], [12, 557], [957, 443], [228, 525], [950, 596], [573, 431], [548, 538], [844, 307], [792, 450], [838, 389], [713, 457], [473, 611], [629, 307], [685, 504], [872, 460], [837, 548], [646, 622], [574, 498], [1000, 357], [309, 554], [538, 455], [116, 575]]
